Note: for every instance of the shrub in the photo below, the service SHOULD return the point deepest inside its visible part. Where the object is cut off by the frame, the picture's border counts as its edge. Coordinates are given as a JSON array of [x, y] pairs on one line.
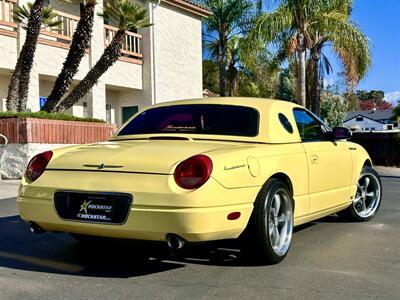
[[45, 115]]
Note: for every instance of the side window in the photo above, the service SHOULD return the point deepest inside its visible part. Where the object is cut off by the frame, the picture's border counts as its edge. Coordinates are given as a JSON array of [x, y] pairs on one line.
[[310, 129], [285, 123]]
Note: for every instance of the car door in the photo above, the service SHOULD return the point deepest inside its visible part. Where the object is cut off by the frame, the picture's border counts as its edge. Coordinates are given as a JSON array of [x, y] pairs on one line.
[[329, 163]]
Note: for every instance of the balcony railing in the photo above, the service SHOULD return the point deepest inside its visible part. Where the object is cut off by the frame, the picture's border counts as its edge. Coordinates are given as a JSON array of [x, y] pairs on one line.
[[7, 24], [62, 36], [131, 47]]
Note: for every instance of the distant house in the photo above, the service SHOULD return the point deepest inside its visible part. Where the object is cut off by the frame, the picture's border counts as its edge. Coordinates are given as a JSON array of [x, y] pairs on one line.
[[373, 120], [208, 93]]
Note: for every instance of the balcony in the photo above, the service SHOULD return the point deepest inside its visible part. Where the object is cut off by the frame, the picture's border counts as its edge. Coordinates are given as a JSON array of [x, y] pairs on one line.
[[62, 36], [7, 25]]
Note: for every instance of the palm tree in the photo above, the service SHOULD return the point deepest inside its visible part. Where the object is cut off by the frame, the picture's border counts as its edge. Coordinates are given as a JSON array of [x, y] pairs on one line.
[[346, 39], [233, 59], [229, 18], [129, 16], [233, 62], [80, 42], [298, 19], [37, 15], [31, 17]]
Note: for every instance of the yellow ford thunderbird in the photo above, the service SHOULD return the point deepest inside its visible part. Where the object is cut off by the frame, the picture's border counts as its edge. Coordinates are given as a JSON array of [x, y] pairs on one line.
[[202, 170]]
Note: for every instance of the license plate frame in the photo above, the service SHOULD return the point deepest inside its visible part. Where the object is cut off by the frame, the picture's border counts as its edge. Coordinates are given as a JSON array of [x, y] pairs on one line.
[[93, 207]]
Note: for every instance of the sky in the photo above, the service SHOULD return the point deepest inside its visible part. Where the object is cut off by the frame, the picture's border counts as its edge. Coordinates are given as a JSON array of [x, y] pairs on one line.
[[380, 21]]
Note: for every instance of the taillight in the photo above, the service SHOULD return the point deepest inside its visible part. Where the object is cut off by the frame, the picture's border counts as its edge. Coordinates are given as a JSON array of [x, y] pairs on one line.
[[193, 172], [37, 165]]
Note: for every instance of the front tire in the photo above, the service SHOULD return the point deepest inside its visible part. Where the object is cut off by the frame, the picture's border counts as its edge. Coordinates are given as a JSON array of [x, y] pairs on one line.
[[367, 199], [269, 233]]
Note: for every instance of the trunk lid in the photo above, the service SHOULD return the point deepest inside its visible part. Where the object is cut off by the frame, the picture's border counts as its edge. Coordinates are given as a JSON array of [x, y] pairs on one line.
[[142, 156]]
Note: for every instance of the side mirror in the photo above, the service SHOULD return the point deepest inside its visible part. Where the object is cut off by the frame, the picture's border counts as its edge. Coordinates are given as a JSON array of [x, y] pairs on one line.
[[339, 133]]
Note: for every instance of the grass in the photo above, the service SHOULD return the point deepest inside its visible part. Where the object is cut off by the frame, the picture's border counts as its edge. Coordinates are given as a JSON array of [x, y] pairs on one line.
[[45, 115]]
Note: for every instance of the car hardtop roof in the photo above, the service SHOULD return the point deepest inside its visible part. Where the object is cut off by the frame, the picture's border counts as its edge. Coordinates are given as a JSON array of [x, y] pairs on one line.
[[240, 101], [271, 129]]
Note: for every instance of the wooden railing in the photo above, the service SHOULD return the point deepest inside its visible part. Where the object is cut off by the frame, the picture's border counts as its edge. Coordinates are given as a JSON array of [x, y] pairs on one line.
[[6, 15], [62, 35], [64, 32], [131, 47]]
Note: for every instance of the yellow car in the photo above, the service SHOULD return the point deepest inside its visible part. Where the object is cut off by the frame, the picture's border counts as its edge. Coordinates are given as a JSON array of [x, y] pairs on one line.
[[202, 170]]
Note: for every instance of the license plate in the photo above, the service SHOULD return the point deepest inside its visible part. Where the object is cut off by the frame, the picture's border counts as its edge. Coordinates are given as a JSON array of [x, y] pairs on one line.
[[93, 207]]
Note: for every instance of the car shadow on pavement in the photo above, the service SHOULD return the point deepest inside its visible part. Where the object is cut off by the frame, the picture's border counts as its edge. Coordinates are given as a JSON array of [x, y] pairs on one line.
[[60, 254]]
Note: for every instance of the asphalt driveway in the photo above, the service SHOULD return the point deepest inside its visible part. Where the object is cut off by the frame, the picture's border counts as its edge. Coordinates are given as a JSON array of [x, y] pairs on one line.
[[329, 259]]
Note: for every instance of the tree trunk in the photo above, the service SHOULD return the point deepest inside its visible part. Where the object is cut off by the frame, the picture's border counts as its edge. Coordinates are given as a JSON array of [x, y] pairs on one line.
[[232, 80], [12, 94], [28, 51], [80, 42], [222, 77], [315, 82], [232, 87], [222, 64], [109, 57], [301, 71]]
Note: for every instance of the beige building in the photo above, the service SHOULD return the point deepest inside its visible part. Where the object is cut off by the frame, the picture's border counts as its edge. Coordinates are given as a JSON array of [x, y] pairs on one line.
[[159, 63]]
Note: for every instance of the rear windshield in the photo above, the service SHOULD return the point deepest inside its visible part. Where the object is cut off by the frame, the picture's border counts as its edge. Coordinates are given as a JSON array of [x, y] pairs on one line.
[[196, 119]]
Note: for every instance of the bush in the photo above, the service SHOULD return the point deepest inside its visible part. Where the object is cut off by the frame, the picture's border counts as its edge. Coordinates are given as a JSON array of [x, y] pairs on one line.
[[45, 115], [333, 109]]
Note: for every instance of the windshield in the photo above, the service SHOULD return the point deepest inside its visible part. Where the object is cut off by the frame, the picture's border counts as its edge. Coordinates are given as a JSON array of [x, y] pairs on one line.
[[213, 119]]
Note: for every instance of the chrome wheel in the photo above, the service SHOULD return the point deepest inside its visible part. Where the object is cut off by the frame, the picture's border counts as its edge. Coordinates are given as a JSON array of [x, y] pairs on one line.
[[368, 195], [280, 222]]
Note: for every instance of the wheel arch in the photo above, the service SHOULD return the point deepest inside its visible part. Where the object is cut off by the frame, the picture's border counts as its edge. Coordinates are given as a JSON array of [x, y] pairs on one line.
[[286, 179], [367, 163]]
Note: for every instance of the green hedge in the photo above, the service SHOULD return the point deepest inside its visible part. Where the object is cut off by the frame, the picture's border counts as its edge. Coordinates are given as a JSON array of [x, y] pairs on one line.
[[45, 115]]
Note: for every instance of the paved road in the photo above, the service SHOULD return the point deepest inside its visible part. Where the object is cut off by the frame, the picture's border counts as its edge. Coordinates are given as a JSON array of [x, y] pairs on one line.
[[329, 259]]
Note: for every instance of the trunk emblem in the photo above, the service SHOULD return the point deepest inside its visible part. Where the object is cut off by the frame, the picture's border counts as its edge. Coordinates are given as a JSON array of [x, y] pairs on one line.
[[101, 166]]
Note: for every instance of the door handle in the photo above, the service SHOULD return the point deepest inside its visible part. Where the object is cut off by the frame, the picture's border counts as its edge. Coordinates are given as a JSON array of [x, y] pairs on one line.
[[314, 158]]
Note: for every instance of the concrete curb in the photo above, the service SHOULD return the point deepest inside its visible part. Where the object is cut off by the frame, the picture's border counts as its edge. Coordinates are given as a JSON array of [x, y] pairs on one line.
[[387, 171]]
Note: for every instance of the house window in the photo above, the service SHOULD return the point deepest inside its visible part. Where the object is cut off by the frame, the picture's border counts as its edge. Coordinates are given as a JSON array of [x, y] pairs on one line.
[[389, 127], [108, 113], [372, 128], [359, 119], [84, 110], [128, 111]]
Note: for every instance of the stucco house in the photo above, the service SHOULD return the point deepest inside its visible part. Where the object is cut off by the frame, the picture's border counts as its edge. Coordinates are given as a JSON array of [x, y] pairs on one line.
[[159, 63], [373, 120]]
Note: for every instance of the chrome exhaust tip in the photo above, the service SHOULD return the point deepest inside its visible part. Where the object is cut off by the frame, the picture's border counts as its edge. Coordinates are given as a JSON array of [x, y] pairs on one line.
[[35, 228], [175, 242]]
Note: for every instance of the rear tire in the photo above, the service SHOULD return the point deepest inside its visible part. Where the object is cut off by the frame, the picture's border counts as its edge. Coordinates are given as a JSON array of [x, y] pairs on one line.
[[268, 235], [367, 199]]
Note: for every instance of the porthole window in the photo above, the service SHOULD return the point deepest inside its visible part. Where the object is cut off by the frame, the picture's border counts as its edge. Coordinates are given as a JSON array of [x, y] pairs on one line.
[[285, 123]]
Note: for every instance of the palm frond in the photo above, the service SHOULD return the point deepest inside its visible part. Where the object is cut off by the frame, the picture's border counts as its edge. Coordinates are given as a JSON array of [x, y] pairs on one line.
[[127, 14], [348, 38], [325, 65], [49, 18], [268, 25]]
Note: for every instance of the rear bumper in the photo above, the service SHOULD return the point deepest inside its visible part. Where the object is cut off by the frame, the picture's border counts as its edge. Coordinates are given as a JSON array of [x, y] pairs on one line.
[[159, 207], [146, 223]]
